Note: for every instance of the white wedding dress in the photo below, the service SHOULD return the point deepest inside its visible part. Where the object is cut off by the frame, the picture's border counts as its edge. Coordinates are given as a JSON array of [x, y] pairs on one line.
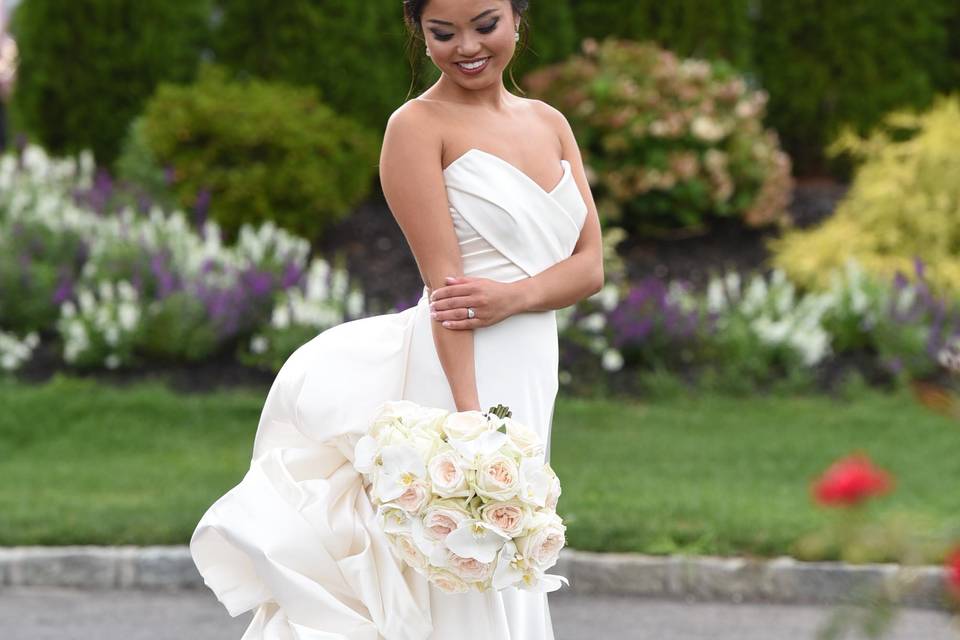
[[296, 540]]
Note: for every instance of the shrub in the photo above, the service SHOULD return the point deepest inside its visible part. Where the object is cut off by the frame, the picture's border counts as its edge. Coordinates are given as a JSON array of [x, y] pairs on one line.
[[669, 142], [711, 29], [828, 65], [904, 202], [87, 66], [264, 152], [301, 42]]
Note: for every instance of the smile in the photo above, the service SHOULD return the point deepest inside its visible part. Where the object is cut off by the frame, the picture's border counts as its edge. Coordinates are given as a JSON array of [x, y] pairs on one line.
[[473, 67]]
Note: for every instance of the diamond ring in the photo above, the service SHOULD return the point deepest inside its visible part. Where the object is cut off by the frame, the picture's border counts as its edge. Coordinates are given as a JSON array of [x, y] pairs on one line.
[[470, 312]]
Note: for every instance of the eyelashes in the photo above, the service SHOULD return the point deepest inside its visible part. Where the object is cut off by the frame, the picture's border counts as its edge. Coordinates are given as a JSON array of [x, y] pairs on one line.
[[443, 37]]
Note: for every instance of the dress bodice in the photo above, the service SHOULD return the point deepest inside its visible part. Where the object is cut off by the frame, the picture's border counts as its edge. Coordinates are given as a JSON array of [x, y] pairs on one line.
[[507, 225]]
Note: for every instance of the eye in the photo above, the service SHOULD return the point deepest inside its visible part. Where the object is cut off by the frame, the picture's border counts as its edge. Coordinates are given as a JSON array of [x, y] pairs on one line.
[[490, 27], [443, 37]]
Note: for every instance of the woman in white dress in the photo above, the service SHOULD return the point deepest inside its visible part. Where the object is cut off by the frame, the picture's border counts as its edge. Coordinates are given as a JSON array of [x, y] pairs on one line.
[[470, 171]]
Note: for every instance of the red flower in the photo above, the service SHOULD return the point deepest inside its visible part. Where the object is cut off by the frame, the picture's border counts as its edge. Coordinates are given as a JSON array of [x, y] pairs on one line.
[[953, 571], [851, 480]]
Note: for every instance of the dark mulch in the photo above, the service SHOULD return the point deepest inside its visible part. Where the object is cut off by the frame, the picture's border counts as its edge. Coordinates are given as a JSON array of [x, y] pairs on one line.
[[378, 255], [220, 372]]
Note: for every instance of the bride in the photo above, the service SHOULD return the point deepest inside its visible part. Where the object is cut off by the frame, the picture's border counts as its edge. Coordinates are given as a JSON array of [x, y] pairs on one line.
[[490, 192]]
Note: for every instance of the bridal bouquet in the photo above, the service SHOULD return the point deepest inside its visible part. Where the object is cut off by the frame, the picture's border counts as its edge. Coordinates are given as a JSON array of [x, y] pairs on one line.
[[465, 498]]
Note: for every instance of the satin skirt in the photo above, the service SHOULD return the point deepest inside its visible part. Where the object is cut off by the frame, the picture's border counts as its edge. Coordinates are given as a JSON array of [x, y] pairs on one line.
[[296, 540]]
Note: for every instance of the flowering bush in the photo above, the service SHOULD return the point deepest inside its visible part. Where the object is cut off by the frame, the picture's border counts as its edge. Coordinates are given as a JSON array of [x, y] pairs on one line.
[[323, 300], [15, 351], [669, 142], [118, 284]]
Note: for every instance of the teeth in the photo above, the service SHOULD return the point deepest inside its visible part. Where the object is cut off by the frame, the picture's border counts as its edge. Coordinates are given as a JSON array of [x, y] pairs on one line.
[[472, 65]]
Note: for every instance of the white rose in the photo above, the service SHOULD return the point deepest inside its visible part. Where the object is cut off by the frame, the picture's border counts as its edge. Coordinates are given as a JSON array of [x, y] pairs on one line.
[[415, 497], [447, 581], [542, 545], [553, 495], [498, 477], [408, 551], [392, 413], [511, 517], [466, 425], [470, 569], [442, 517], [527, 440], [448, 476]]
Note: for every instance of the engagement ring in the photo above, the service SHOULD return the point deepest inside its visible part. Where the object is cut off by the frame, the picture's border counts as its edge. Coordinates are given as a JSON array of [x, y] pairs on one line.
[[470, 312]]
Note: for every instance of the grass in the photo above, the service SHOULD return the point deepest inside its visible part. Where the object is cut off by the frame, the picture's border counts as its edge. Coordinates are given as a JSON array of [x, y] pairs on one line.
[[83, 463]]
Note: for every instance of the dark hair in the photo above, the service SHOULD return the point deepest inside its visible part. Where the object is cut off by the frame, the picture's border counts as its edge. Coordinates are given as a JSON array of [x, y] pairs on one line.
[[413, 10]]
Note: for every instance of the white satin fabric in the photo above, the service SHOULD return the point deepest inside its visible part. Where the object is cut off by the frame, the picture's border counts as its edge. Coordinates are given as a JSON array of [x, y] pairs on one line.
[[296, 540]]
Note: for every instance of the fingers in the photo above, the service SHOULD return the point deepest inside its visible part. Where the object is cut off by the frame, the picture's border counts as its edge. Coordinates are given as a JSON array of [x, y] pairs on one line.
[[462, 324], [447, 304]]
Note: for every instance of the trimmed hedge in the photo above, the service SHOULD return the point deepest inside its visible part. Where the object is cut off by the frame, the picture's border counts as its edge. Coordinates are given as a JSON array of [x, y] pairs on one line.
[[87, 66], [263, 151], [352, 51], [691, 28], [827, 64]]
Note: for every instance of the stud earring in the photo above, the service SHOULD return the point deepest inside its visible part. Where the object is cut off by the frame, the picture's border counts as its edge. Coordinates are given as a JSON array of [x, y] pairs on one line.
[[516, 36], [428, 52]]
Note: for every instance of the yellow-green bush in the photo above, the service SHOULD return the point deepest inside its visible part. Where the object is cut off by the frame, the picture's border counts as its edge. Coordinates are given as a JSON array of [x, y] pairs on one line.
[[904, 204]]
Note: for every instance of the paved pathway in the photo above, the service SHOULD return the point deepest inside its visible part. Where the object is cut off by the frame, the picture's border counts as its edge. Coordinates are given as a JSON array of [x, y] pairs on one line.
[[37, 613]]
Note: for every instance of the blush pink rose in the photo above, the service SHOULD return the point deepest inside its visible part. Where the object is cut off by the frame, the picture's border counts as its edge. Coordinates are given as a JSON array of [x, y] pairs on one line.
[[470, 569], [413, 499]]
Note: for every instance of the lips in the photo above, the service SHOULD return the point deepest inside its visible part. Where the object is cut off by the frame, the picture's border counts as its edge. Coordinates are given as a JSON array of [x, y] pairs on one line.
[[477, 70]]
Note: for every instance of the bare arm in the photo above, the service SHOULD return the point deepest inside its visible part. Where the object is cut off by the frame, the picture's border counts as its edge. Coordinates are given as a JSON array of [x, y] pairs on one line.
[[411, 175], [581, 275]]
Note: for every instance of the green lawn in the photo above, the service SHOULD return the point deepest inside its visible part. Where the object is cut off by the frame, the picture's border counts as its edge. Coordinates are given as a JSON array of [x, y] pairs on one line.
[[82, 463]]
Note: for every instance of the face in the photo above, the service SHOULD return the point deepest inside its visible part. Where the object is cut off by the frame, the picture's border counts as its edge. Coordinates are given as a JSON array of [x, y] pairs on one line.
[[467, 30]]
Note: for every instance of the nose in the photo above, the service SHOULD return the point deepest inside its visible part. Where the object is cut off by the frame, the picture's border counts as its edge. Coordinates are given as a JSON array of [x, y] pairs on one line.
[[469, 47]]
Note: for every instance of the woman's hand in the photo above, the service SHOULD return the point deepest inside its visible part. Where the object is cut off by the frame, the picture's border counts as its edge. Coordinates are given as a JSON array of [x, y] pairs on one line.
[[492, 301]]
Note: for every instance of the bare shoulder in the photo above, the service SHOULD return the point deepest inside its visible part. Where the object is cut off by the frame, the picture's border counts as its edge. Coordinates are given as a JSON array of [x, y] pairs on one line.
[[410, 137], [555, 118]]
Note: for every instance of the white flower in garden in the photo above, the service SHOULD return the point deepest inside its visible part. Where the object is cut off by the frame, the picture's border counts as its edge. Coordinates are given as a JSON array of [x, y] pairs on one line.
[[105, 289], [339, 282], [716, 300], [597, 344], [609, 296], [68, 309], [128, 315], [87, 302], [112, 361], [594, 322], [259, 344], [112, 336], [355, 303], [281, 317], [612, 360]]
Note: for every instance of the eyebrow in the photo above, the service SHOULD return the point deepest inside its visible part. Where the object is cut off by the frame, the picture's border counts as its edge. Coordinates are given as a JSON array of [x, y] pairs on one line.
[[471, 19]]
